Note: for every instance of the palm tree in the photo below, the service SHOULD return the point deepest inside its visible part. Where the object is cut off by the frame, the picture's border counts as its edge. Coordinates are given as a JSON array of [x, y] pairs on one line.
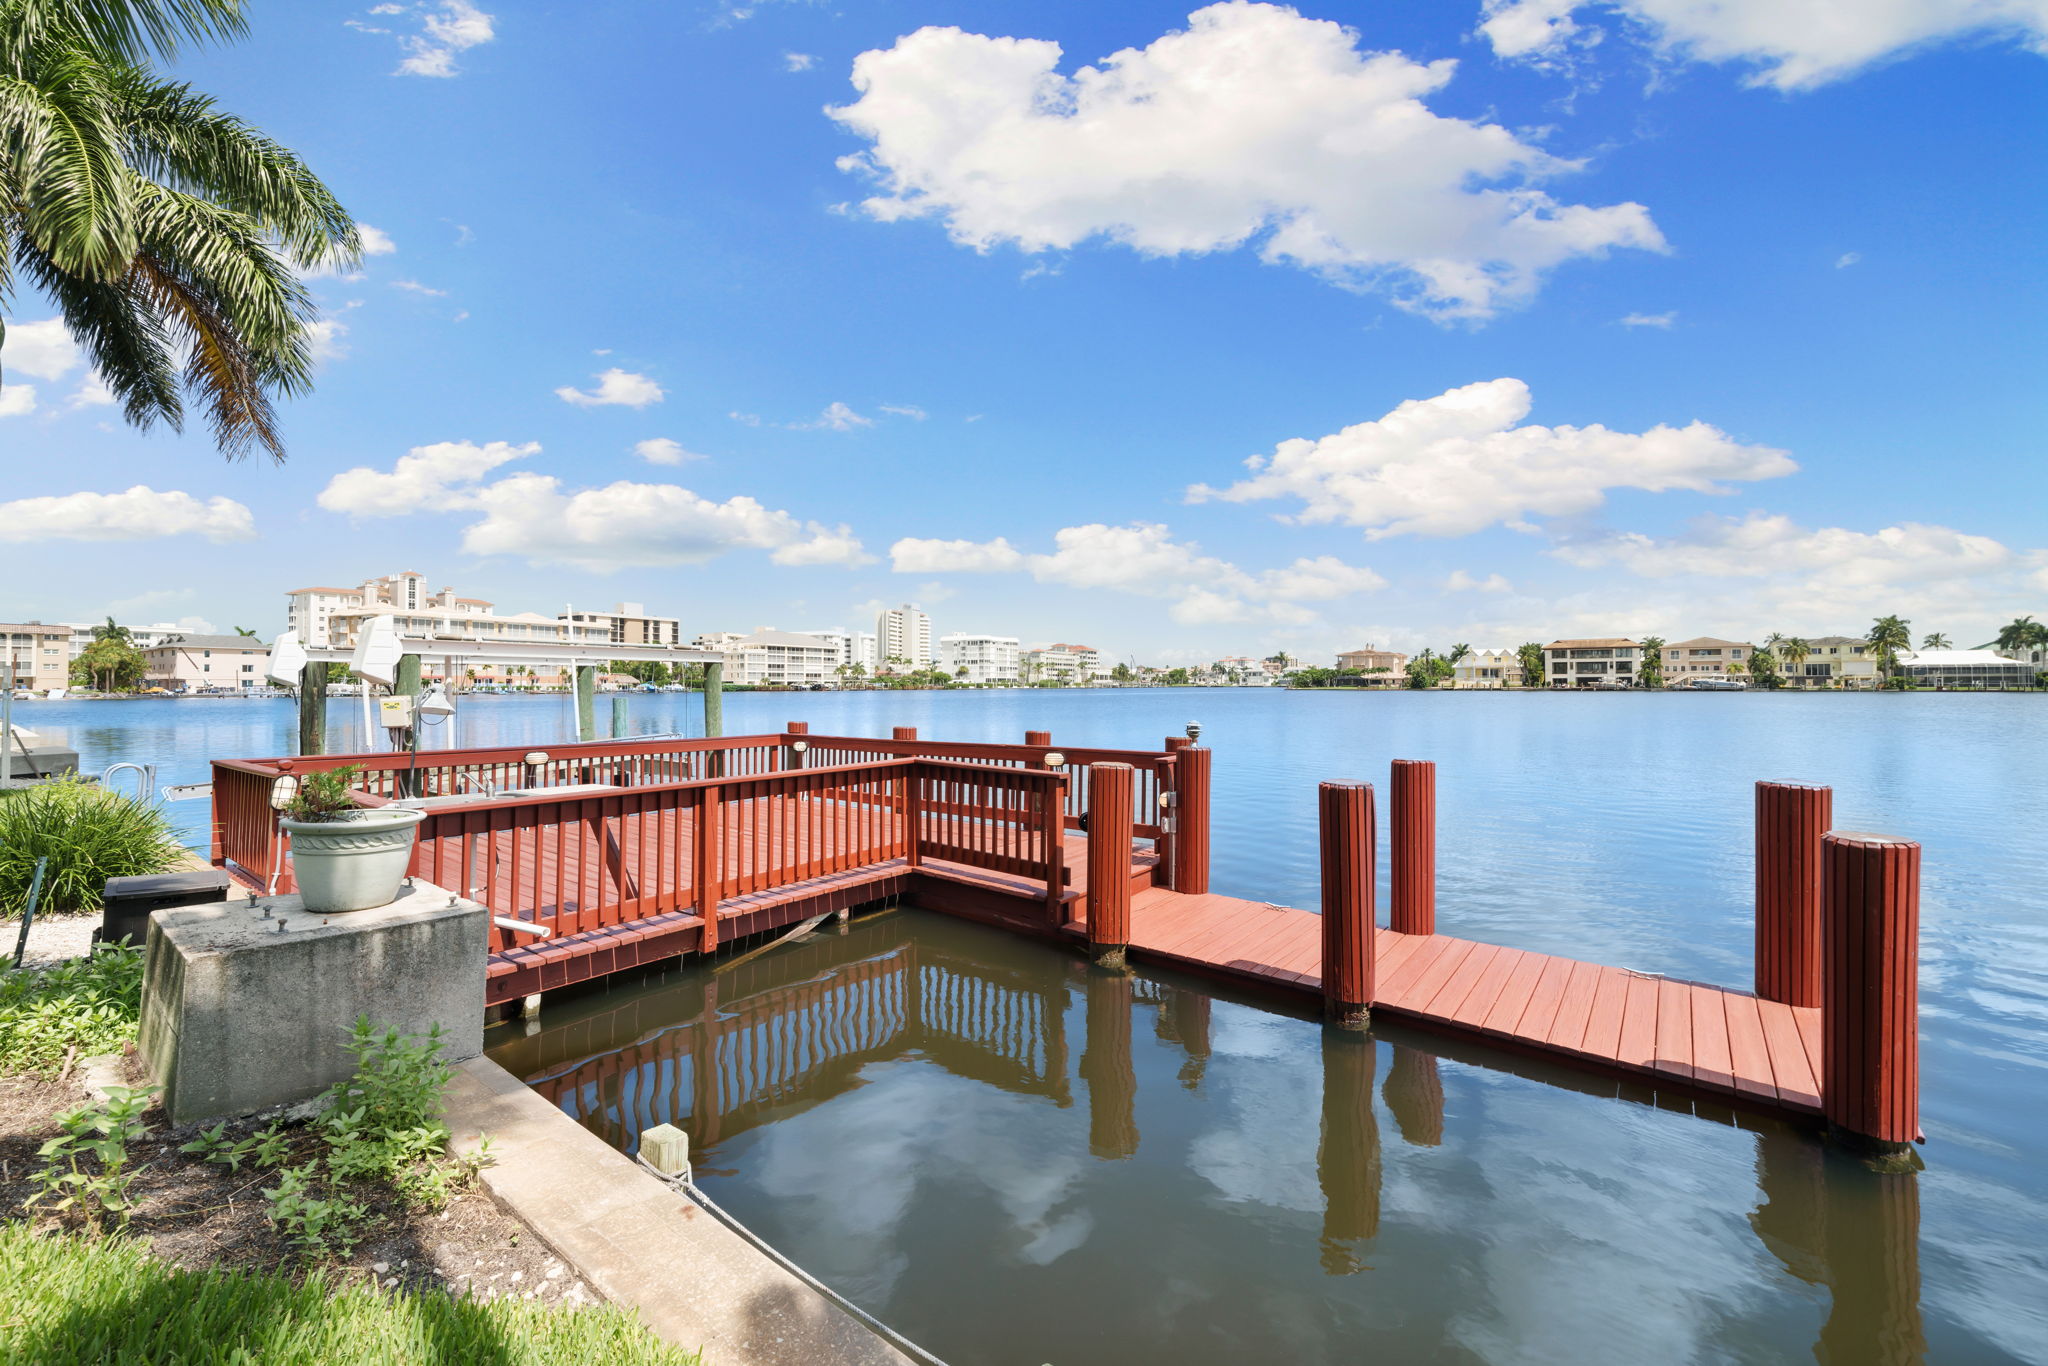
[[2024, 634], [166, 231], [1793, 650], [1935, 641], [1651, 675], [1888, 636], [245, 632], [112, 630]]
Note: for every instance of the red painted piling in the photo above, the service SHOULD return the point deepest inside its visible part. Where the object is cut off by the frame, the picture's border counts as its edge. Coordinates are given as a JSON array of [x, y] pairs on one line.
[[904, 733], [1345, 811], [1038, 737], [1191, 818], [1870, 946], [1413, 831], [1109, 862], [797, 728], [1791, 819]]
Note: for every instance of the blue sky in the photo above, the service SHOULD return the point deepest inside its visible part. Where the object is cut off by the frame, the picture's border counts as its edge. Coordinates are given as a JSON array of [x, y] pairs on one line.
[[1704, 325]]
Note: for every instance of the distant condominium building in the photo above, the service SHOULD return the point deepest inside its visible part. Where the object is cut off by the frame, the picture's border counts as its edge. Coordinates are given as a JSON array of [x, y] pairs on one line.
[[1589, 663], [970, 658], [1488, 669], [40, 654], [1067, 663], [1705, 657], [330, 618], [629, 624], [772, 658], [190, 663], [1372, 659], [853, 647], [904, 634], [1831, 662], [1241, 671], [142, 637]]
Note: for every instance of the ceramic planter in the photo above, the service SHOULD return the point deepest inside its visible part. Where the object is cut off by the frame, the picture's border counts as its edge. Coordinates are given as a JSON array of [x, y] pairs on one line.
[[353, 862]]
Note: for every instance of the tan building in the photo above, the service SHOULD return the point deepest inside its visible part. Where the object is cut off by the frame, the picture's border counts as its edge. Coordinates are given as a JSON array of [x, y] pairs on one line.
[[1833, 662], [629, 624], [1705, 657], [1488, 669], [1372, 660], [1604, 662], [774, 658], [191, 663], [41, 655], [1069, 663]]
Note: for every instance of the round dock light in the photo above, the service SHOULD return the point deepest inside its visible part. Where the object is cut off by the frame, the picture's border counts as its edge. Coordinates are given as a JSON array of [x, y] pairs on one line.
[[1055, 759], [436, 702], [536, 757], [1194, 730]]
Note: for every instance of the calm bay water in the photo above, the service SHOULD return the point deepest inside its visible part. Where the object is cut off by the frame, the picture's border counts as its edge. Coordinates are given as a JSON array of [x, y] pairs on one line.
[[1273, 1199]]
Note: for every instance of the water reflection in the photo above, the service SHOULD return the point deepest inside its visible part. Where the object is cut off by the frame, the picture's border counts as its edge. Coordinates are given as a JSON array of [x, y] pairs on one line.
[[1415, 1096], [1348, 1158]]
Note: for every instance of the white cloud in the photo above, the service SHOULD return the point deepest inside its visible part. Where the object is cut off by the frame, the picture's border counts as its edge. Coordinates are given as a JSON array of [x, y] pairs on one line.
[[837, 417], [1764, 545], [614, 387], [1847, 259], [909, 410], [92, 392], [1459, 462], [1663, 320], [1254, 125], [437, 477], [1144, 559], [451, 27], [1791, 44], [326, 338], [43, 350], [660, 450], [17, 400], [746, 419], [138, 514], [1461, 582], [376, 242], [644, 525], [798, 61], [622, 524], [415, 287]]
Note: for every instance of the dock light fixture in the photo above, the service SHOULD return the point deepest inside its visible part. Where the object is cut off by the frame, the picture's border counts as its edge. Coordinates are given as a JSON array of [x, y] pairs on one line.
[[436, 702], [536, 757], [800, 746], [1055, 759], [1194, 730]]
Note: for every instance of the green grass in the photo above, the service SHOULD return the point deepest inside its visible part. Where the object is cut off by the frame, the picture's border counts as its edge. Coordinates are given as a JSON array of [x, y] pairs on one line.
[[90, 1005], [105, 1300], [88, 834]]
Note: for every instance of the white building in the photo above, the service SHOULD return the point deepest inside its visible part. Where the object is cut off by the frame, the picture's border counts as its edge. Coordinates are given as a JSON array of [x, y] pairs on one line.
[[629, 624], [1488, 669], [854, 647], [771, 658], [1607, 661], [979, 659], [156, 633], [1067, 663], [904, 633]]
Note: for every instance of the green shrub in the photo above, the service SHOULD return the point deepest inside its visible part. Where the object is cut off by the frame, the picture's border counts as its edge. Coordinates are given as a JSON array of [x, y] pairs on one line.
[[82, 1007], [101, 1135], [89, 835], [77, 1300]]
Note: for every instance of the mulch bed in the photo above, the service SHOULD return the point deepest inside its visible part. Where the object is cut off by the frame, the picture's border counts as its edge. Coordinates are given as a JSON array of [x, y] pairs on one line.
[[198, 1214]]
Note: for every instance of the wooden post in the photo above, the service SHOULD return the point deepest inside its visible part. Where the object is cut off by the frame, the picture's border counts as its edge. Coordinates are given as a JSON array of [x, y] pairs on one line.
[[1106, 1066], [1038, 737], [313, 708], [1348, 1157], [1870, 945], [618, 716], [1415, 1097], [1052, 837], [913, 814], [1346, 817], [406, 683], [904, 733], [1414, 839], [797, 728], [586, 702], [714, 700], [1191, 821], [1162, 848], [1109, 863], [704, 870], [1791, 820]]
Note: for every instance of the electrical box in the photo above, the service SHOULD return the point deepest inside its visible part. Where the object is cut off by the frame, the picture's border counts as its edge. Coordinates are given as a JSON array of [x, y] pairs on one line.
[[395, 712]]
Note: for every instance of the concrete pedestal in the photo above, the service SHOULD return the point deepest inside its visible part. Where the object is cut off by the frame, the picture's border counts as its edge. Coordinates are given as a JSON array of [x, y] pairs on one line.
[[238, 1015]]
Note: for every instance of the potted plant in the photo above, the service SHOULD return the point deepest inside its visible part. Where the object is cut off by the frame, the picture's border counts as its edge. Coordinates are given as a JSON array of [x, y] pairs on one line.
[[346, 857]]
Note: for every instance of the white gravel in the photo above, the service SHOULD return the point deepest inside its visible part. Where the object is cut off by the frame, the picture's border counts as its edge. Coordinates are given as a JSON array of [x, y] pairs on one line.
[[51, 939]]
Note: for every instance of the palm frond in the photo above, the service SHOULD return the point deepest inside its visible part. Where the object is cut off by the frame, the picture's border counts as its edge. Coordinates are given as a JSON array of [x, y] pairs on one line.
[[127, 28], [64, 157], [126, 340]]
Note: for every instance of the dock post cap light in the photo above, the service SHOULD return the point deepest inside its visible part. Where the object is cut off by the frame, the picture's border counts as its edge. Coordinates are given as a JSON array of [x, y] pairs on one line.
[[282, 790], [536, 756], [800, 746], [1194, 730], [1055, 759]]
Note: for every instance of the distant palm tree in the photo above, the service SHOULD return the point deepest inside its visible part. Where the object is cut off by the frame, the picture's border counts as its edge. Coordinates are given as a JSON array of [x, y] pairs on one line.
[[113, 631], [1888, 636], [1935, 641], [1793, 650], [2023, 634], [245, 631], [1651, 675], [169, 234]]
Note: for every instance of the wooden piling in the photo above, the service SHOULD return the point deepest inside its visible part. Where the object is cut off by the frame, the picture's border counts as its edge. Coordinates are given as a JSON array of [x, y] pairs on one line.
[[1791, 819], [406, 683], [1413, 833], [1346, 819], [904, 733], [1109, 863], [797, 728], [714, 702], [313, 708], [1414, 1093], [1038, 737], [586, 702], [1191, 820], [1870, 945]]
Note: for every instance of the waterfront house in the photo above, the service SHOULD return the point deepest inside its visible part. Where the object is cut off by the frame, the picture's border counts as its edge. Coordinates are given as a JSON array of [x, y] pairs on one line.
[[1965, 669], [40, 654], [190, 663], [1833, 662], [972, 658], [1606, 661], [1374, 662], [1488, 669], [1704, 657]]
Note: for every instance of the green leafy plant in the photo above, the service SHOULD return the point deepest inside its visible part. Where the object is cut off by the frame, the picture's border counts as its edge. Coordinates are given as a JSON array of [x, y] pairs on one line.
[[316, 1224], [385, 1124], [88, 834], [324, 795], [73, 1009], [98, 1136], [266, 1149]]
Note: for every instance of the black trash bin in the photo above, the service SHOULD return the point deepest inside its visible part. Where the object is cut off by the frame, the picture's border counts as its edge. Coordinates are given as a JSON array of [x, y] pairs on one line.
[[129, 900]]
